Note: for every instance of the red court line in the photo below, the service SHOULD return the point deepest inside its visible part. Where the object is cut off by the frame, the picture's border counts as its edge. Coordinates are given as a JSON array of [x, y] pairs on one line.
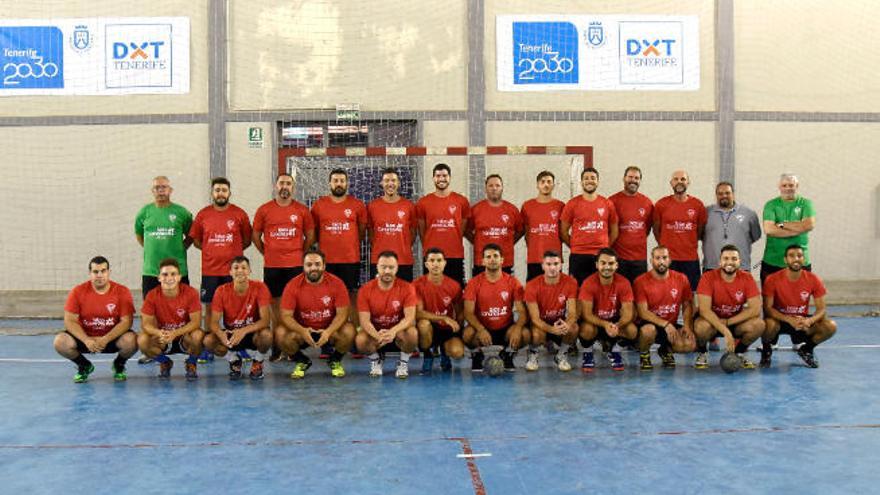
[[476, 480]]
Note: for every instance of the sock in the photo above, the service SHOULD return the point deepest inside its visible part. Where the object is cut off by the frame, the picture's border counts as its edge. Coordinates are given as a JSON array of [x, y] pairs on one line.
[[232, 356], [509, 350], [615, 347], [563, 348], [533, 348], [404, 356], [808, 346], [161, 358], [258, 356], [374, 356], [702, 347], [766, 348], [427, 353], [740, 348], [478, 350], [663, 350], [335, 356], [81, 361], [192, 359], [587, 344], [119, 362]]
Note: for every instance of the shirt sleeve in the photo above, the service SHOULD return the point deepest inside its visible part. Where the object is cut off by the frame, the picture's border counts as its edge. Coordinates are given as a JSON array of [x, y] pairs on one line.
[[139, 221], [751, 287], [704, 288], [639, 291], [195, 230], [517, 290], [769, 211], [411, 299], [217, 301], [612, 213], [246, 230], [567, 212], [259, 219], [72, 303], [288, 299], [470, 291], [362, 213], [342, 299], [808, 210], [187, 220], [363, 300], [126, 301], [626, 292], [264, 297], [194, 303], [531, 293], [149, 306]]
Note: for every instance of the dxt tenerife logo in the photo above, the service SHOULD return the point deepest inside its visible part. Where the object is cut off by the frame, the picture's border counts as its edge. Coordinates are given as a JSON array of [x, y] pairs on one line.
[[545, 53], [138, 55], [31, 57], [651, 52]]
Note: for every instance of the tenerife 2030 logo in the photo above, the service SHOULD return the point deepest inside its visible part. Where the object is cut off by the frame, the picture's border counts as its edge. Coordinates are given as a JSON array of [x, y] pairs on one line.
[[545, 53], [31, 57]]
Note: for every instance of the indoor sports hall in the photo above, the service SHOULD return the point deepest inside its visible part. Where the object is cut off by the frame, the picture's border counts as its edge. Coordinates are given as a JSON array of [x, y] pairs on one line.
[[100, 99]]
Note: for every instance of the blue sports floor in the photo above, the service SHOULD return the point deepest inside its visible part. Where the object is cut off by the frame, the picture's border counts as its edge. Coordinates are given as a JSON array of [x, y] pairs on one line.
[[788, 429]]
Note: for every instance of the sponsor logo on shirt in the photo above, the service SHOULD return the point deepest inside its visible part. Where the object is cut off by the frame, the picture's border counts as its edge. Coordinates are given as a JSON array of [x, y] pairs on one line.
[[172, 217], [691, 212], [505, 218], [401, 214], [632, 226], [326, 300], [554, 214], [318, 314], [494, 312], [739, 296], [805, 296], [395, 305], [282, 233], [337, 227], [601, 211], [230, 224], [347, 212], [447, 300], [442, 223], [592, 226], [218, 238], [641, 212], [294, 218], [504, 295], [111, 307], [680, 226], [495, 232], [390, 228], [452, 209], [544, 229], [673, 293], [181, 312]]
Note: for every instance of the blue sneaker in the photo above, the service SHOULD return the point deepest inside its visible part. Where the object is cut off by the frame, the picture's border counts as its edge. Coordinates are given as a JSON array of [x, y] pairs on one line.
[[205, 357], [427, 364], [588, 364], [445, 362], [616, 361]]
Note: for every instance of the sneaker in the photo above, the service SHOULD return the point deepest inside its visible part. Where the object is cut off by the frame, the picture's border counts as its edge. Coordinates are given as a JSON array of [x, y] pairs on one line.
[[299, 370], [119, 374], [445, 363], [257, 370], [507, 358], [745, 362], [165, 369], [476, 362], [562, 363], [588, 364], [645, 361], [243, 354], [427, 364], [766, 359], [616, 361], [376, 367], [402, 369], [83, 372], [668, 359], [573, 351], [145, 360], [702, 361], [807, 357], [336, 369], [191, 372], [532, 361], [205, 357], [235, 370]]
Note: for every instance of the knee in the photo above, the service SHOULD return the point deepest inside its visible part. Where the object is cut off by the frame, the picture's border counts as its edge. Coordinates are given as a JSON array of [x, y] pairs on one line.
[[143, 341], [455, 349], [127, 343], [63, 342]]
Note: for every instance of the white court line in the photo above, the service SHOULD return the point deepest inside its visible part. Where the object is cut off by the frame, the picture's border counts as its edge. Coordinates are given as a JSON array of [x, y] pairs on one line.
[[471, 456]]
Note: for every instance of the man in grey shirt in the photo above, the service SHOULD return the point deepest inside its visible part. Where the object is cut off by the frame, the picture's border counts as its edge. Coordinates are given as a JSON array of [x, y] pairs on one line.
[[729, 223]]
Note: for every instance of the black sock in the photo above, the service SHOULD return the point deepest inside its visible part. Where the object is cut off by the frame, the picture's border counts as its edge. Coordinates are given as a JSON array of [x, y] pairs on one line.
[[428, 353], [299, 357], [119, 363], [587, 344], [740, 348], [663, 350], [809, 346], [767, 348], [81, 361], [702, 347], [335, 356]]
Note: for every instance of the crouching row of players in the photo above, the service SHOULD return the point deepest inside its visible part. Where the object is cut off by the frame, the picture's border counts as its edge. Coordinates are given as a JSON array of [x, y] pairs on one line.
[[434, 313]]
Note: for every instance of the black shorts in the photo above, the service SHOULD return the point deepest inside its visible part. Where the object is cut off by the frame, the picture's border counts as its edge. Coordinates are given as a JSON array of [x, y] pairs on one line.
[[661, 337], [499, 337], [455, 270], [476, 270], [111, 348], [441, 334], [581, 266], [209, 286], [631, 269], [404, 272], [797, 337], [533, 270], [690, 269], [247, 343], [276, 278], [176, 347], [350, 273], [767, 270], [149, 282]]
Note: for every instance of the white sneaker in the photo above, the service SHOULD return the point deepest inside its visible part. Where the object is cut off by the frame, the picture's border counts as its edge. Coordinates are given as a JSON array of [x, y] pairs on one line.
[[532, 361], [562, 363], [702, 361], [376, 367], [402, 369]]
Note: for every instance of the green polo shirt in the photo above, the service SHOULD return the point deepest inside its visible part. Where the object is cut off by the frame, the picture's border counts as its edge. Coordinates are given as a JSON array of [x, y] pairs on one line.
[[163, 230], [779, 211]]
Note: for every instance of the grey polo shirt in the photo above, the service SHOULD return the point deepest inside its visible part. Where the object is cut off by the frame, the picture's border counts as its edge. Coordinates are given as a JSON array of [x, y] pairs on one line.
[[739, 226]]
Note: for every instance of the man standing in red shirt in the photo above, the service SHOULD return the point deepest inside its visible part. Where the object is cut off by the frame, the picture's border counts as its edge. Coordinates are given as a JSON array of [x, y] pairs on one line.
[[283, 229], [443, 220], [540, 217], [496, 221], [589, 223], [730, 306], [679, 221], [341, 224], [636, 217], [661, 295], [493, 308], [243, 304], [439, 313], [221, 231], [552, 303], [314, 313], [171, 321], [97, 319], [607, 312], [787, 309], [392, 226], [387, 307]]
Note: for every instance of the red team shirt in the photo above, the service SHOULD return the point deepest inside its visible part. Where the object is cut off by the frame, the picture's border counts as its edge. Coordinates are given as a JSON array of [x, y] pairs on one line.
[[792, 298], [493, 301], [495, 224], [222, 235], [283, 228], [172, 312], [679, 221], [607, 299], [443, 219], [386, 306], [391, 228], [438, 299], [635, 218], [728, 298], [240, 310], [99, 313], [315, 305], [590, 223], [337, 228], [664, 297], [541, 222], [551, 299]]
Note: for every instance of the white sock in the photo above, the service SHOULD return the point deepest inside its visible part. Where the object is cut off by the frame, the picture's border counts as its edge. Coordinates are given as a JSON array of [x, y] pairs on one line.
[[404, 356], [374, 356], [232, 356], [615, 347], [563, 348], [509, 350], [258, 356]]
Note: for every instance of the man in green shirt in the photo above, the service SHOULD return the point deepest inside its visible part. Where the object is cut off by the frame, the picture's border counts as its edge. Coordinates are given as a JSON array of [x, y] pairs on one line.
[[162, 228], [787, 220]]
